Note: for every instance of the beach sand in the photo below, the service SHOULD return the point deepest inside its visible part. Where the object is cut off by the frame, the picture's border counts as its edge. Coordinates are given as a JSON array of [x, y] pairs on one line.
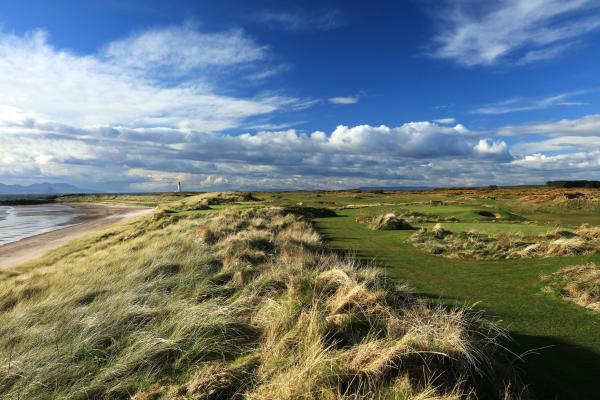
[[95, 217]]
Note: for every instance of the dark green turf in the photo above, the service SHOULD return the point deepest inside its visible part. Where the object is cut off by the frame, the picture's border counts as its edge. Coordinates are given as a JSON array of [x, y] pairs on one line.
[[566, 364]]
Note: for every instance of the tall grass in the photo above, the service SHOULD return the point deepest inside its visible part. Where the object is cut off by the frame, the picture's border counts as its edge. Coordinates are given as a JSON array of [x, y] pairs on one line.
[[581, 241], [578, 283], [243, 303]]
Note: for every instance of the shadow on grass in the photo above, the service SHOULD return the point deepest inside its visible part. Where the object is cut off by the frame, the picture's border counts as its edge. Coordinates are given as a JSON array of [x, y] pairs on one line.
[[440, 299], [556, 369]]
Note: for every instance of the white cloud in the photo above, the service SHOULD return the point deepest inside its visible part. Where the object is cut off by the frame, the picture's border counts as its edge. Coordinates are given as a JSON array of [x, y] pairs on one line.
[[520, 104], [181, 49], [559, 144], [154, 158], [413, 139], [588, 125], [89, 90], [587, 161], [445, 121], [487, 147], [512, 31], [569, 149], [344, 100]]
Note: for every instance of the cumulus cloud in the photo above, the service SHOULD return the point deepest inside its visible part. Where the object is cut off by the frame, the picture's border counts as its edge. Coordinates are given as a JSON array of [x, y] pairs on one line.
[[152, 158], [512, 31], [489, 147]]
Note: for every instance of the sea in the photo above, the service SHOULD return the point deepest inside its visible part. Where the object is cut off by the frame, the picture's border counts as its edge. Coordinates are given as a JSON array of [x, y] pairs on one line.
[[21, 221]]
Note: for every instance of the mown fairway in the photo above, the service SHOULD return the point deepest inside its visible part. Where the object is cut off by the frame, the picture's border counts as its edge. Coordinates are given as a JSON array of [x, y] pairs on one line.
[[561, 340]]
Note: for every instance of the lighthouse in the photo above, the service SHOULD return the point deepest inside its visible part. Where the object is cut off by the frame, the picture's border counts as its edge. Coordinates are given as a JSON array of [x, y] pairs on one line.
[[178, 187]]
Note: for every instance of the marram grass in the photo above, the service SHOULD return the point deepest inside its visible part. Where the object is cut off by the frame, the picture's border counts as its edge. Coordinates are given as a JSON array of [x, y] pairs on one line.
[[246, 303]]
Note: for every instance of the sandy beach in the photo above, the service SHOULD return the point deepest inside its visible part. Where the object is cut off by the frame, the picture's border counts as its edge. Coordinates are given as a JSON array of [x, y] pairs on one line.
[[95, 217]]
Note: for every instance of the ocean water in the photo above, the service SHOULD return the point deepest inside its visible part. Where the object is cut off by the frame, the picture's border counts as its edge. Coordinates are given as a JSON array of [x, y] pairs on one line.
[[19, 222]]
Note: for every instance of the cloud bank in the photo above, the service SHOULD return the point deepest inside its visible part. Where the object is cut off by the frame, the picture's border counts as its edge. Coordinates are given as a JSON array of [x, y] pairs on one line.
[[151, 109], [154, 158]]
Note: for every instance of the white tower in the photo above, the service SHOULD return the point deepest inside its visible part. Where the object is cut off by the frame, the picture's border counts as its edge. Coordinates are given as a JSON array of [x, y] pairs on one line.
[[178, 187]]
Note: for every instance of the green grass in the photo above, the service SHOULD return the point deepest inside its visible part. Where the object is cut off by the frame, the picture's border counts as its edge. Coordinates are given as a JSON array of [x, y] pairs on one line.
[[567, 362], [467, 212]]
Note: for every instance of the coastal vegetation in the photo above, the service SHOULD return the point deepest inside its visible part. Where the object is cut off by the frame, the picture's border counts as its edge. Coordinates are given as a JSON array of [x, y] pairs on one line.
[[472, 244], [579, 284], [243, 302], [294, 295]]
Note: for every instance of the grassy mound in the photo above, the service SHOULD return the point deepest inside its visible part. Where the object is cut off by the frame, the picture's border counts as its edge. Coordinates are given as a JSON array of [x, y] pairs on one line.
[[385, 222], [204, 201], [389, 222], [579, 284], [244, 303], [585, 240], [423, 217]]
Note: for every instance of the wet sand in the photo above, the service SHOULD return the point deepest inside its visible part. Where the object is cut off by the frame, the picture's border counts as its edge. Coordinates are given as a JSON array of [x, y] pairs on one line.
[[94, 218]]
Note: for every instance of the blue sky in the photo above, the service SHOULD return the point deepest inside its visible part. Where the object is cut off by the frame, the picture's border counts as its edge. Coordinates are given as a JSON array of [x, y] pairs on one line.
[[134, 96]]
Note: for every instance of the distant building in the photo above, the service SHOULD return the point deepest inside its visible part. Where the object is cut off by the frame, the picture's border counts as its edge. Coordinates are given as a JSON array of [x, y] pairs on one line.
[[178, 187]]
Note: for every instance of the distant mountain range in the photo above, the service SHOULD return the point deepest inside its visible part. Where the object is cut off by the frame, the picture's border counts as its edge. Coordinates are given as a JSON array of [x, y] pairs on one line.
[[42, 188]]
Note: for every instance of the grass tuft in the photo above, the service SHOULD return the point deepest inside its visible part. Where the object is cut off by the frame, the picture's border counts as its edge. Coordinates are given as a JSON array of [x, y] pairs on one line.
[[579, 284], [583, 241]]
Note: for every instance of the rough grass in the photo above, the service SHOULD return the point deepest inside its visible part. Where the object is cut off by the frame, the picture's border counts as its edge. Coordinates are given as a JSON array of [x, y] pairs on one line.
[[146, 200], [579, 284], [385, 222], [245, 303], [440, 241]]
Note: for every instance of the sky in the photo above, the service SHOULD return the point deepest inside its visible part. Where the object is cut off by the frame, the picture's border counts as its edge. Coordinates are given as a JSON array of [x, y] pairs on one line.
[[130, 96]]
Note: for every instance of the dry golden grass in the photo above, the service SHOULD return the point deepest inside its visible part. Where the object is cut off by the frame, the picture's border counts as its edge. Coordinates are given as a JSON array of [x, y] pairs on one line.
[[579, 284], [384, 222], [440, 241], [388, 222], [244, 303]]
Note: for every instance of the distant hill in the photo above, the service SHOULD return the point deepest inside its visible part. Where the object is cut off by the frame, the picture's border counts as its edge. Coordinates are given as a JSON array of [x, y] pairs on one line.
[[43, 188]]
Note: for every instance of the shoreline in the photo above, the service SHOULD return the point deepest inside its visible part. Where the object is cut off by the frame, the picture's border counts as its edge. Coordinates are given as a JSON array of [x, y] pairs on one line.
[[95, 217]]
